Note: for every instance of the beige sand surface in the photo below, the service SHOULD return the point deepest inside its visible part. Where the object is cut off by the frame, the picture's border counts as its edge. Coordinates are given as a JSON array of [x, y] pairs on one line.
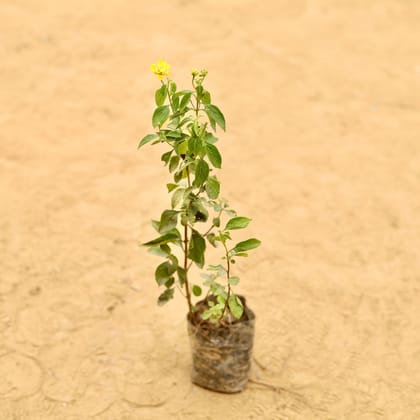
[[322, 100]]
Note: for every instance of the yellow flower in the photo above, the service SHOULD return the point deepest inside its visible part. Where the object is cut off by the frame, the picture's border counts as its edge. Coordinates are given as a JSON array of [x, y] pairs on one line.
[[161, 69]]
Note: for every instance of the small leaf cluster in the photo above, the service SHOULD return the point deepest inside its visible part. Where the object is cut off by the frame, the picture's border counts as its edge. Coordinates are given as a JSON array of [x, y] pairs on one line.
[[186, 122]]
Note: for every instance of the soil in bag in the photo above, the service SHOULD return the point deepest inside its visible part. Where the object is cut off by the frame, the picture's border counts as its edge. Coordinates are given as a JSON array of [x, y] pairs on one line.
[[222, 352]]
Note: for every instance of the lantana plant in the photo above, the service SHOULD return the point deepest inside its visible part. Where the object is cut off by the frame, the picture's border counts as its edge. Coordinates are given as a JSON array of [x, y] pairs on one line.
[[186, 121]]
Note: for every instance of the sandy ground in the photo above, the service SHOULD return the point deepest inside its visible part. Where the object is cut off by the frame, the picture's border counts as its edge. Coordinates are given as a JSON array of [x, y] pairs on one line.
[[322, 101]]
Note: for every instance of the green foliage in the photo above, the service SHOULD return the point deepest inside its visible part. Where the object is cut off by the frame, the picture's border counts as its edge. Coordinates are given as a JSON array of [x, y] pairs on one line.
[[214, 114], [147, 139], [233, 281], [195, 145], [185, 100], [182, 275], [206, 97], [163, 273], [235, 306], [177, 197], [237, 223], [168, 221], [197, 211], [196, 290], [197, 248], [172, 236], [246, 245], [173, 163], [214, 155], [201, 173], [166, 296], [166, 156], [171, 187], [160, 95], [185, 122], [160, 115]]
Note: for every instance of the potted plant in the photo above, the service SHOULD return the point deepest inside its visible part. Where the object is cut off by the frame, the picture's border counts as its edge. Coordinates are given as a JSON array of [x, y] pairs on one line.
[[221, 325]]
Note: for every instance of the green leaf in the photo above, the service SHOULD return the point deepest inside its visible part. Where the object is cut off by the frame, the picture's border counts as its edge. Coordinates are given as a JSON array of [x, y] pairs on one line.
[[214, 313], [185, 100], [157, 250], [224, 236], [218, 290], [179, 175], [235, 306], [210, 139], [173, 163], [212, 187], [175, 102], [166, 156], [160, 115], [165, 248], [168, 221], [163, 272], [212, 123], [173, 134], [170, 282], [147, 139], [209, 278], [194, 128], [171, 187], [211, 237], [199, 212], [197, 248], [160, 95], [166, 296], [195, 145], [206, 98], [237, 223], [172, 86], [233, 281], [155, 224], [206, 315], [196, 290], [201, 173], [182, 275], [172, 236], [177, 197], [246, 245], [218, 269], [182, 147], [174, 124], [184, 121], [221, 299], [214, 155], [214, 113], [183, 92]]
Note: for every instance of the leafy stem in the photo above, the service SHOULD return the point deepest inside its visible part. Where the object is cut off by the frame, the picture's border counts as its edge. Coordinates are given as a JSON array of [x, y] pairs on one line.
[[191, 159], [186, 266], [213, 225], [187, 286], [228, 277]]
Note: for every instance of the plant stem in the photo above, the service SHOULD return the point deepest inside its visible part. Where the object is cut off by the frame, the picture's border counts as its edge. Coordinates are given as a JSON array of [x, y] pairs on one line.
[[213, 225], [228, 277], [187, 287], [186, 267]]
